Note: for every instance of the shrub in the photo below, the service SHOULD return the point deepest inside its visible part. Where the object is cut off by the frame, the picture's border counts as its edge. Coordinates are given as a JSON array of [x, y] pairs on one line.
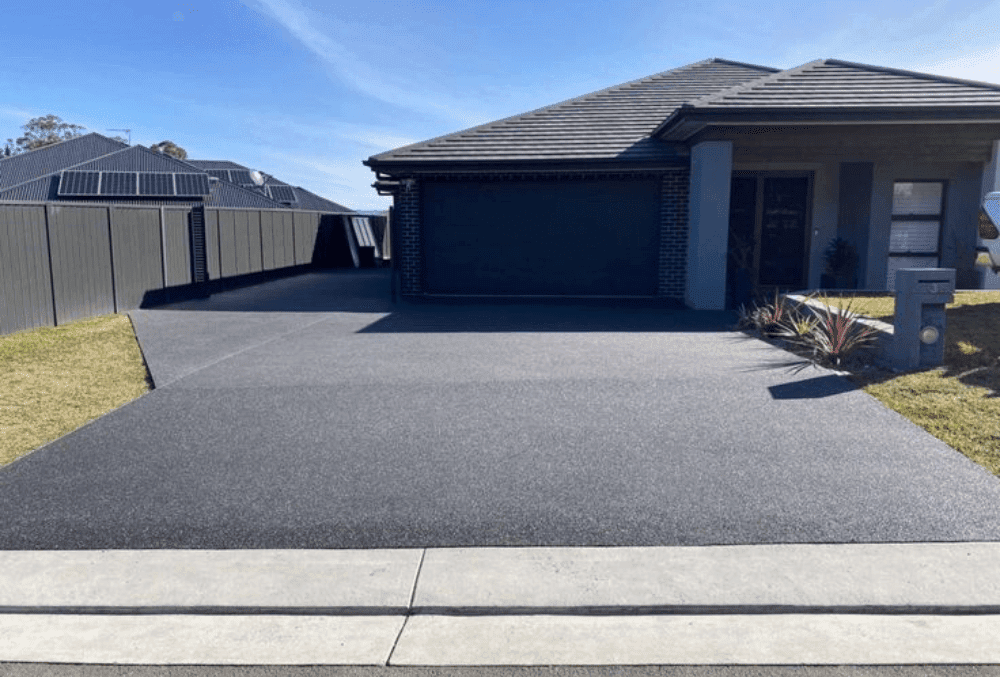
[[824, 335], [833, 336]]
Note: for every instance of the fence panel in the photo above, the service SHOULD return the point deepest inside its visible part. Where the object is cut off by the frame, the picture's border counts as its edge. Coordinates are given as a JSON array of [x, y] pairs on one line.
[[137, 250], [254, 240], [25, 279], [267, 247], [242, 242], [306, 226], [177, 238], [227, 244], [81, 262]]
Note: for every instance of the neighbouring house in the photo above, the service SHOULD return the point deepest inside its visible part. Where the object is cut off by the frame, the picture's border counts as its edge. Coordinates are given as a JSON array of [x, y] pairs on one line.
[[94, 168], [92, 225], [704, 184]]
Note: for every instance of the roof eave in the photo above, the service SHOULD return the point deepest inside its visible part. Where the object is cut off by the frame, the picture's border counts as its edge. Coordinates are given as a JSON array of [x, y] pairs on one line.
[[411, 165], [689, 121]]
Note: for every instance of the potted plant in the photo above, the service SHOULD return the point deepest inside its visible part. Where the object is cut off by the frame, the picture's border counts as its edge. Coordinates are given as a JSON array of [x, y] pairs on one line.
[[841, 265]]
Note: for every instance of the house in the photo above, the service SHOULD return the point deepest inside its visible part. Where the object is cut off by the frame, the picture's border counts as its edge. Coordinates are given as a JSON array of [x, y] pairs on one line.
[[94, 168], [702, 184]]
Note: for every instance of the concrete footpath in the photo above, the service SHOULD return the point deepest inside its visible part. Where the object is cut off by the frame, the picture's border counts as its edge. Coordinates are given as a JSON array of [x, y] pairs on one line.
[[815, 604]]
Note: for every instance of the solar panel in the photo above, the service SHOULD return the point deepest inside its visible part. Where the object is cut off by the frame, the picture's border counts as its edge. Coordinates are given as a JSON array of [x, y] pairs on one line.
[[118, 183], [79, 183], [219, 173], [190, 183], [240, 176], [156, 184], [284, 194]]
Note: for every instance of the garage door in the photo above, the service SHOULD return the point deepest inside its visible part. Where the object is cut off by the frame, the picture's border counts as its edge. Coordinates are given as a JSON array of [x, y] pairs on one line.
[[541, 237]]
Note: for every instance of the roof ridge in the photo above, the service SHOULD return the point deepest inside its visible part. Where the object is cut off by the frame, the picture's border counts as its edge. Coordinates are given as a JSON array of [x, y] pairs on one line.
[[63, 141], [913, 74], [778, 75], [503, 121], [701, 100], [169, 158]]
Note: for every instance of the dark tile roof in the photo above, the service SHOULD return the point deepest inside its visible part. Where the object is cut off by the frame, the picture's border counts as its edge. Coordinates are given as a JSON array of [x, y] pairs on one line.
[[225, 194], [37, 163], [304, 199], [215, 164], [309, 200], [612, 124], [829, 89], [35, 175], [125, 159], [137, 159]]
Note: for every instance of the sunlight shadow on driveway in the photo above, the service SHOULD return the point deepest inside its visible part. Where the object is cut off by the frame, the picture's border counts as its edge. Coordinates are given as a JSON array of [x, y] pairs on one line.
[[812, 388]]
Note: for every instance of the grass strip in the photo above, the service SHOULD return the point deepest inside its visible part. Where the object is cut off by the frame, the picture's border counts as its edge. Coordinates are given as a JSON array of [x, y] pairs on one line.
[[958, 403], [55, 379]]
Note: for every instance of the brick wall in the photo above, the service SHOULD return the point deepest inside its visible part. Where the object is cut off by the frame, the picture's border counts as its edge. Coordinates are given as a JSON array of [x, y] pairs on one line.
[[406, 212], [673, 233]]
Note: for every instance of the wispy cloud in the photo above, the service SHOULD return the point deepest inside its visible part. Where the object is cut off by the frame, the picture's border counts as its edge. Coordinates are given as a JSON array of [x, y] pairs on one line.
[[347, 67]]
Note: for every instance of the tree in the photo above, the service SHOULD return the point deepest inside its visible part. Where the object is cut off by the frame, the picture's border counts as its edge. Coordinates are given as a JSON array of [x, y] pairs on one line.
[[169, 148], [43, 131]]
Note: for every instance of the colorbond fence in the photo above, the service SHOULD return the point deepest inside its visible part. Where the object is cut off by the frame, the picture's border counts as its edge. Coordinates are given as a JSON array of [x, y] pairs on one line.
[[60, 263]]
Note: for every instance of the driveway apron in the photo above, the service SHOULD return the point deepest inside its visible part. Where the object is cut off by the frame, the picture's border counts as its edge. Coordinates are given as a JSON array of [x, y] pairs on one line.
[[313, 413]]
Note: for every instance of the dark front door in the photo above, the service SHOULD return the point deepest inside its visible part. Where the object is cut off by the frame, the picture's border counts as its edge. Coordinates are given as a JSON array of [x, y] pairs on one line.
[[768, 234]]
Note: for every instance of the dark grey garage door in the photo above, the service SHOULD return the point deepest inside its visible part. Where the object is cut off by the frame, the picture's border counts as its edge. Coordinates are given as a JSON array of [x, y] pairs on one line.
[[541, 237]]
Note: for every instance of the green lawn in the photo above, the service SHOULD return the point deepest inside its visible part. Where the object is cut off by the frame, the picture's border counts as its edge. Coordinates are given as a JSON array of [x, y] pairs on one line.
[[959, 403], [55, 379]]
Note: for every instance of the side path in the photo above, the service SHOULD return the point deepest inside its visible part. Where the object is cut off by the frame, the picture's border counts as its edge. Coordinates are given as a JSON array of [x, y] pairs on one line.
[[779, 604]]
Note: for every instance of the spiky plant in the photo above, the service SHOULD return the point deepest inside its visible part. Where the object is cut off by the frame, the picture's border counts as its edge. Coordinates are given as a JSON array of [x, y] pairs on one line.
[[834, 335]]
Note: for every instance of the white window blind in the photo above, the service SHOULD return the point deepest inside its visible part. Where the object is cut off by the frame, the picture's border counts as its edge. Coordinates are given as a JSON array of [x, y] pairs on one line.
[[914, 237], [917, 198]]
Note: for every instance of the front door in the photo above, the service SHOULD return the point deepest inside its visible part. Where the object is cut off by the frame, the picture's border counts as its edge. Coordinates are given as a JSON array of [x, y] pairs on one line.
[[768, 234]]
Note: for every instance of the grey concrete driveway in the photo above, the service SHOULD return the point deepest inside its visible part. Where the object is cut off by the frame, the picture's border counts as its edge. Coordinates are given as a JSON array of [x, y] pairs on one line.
[[312, 413]]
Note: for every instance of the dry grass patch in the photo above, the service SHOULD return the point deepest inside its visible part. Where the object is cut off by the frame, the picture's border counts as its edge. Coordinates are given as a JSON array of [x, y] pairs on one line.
[[959, 403], [58, 378]]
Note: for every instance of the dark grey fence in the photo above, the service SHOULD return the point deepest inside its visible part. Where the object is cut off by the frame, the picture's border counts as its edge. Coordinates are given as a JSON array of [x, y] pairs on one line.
[[62, 262]]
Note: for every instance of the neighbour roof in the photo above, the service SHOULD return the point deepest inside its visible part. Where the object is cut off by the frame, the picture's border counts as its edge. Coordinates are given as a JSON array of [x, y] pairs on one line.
[[33, 164], [215, 164], [833, 90], [34, 175], [612, 124], [304, 198]]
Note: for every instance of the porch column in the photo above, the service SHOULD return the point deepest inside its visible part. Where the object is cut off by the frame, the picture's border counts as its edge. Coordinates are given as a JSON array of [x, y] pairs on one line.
[[708, 225]]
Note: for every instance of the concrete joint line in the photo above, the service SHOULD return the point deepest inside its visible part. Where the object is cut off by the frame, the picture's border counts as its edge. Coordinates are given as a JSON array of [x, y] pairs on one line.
[[709, 610], [232, 354], [409, 608]]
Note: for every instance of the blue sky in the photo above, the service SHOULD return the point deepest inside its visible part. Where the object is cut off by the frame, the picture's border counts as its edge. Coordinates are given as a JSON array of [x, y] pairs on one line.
[[307, 89]]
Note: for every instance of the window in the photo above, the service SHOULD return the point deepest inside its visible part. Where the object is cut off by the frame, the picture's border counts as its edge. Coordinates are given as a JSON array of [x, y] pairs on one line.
[[915, 235]]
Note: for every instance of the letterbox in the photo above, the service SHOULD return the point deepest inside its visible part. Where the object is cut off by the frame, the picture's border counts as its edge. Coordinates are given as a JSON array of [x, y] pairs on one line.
[[918, 335]]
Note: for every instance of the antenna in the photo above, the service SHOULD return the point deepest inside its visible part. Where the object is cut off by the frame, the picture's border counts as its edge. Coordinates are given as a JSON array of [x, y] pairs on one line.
[[128, 131]]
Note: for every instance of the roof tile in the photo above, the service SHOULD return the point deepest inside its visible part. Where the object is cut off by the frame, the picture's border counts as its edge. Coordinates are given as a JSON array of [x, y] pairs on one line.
[[614, 123]]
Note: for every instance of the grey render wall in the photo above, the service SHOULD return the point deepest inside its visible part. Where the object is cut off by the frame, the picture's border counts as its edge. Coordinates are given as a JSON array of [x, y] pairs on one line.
[[961, 210], [60, 263]]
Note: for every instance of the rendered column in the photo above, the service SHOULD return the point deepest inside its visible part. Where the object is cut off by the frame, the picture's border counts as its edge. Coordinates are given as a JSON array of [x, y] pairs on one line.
[[708, 225]]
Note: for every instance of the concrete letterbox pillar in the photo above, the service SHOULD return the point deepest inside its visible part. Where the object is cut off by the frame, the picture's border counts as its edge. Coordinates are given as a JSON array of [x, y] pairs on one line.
[[918, 335]]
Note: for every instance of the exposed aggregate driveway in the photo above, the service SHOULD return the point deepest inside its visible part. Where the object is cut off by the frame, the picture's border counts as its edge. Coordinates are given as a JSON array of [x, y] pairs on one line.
[[313, 413]]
